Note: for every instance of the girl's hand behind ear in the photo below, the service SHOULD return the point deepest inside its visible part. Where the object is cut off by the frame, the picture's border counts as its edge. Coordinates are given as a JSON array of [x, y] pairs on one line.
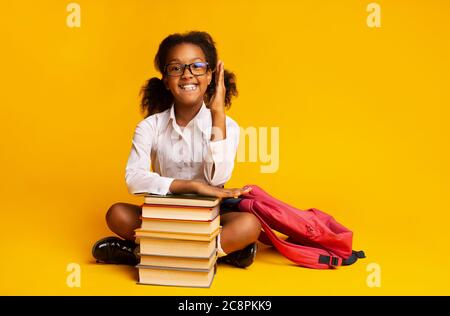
[[217, 102]]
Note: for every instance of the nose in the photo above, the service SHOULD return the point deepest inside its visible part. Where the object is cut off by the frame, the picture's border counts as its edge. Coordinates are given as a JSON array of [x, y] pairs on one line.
[[186, 72]]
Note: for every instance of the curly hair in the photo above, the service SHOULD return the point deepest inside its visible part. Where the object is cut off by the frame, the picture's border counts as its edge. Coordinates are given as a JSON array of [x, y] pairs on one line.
[[156, 98]]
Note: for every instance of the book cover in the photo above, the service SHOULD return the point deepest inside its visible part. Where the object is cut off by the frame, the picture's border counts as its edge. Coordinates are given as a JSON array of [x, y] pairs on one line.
[[180, 226], [178, 262], [179, 212], [152, 275], [178, 247], [140, 233], [180, 199]]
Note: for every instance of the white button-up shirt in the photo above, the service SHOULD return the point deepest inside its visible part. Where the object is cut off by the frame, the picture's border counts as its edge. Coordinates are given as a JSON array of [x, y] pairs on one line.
[[174, 153]]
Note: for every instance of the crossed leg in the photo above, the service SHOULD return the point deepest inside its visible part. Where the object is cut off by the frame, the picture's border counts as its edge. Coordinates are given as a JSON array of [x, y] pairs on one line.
[[239, 229]]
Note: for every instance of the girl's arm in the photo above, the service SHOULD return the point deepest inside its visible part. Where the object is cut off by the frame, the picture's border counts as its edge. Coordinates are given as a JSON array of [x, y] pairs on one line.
[[138, 177], [217, 106], [191, 186], [222, 147]]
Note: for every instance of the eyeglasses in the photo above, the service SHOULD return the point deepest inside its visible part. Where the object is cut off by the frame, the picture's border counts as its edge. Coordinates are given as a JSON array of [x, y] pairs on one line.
[[176, 69]]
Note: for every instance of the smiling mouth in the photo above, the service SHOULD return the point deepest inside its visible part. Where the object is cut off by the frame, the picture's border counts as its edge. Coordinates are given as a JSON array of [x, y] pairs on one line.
[[188, 87]]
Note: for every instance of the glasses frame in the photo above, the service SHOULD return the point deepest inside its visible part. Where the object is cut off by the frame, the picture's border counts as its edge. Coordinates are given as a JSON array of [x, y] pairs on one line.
[[188, 66]]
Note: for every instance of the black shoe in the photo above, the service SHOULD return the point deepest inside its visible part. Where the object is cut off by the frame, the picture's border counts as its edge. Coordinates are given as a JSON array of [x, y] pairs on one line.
[[115, 250], [241, 258]]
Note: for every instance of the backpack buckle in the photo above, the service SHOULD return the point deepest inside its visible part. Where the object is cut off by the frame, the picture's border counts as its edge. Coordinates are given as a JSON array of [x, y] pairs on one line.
[[331, 261]]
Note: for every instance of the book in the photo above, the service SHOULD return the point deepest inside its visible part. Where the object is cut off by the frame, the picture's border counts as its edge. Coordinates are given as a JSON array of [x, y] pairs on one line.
[[176, 276], [178, 240], [180, 226], [178, 262], [139, 233], [181, 199], [177, 247], [179, 212]]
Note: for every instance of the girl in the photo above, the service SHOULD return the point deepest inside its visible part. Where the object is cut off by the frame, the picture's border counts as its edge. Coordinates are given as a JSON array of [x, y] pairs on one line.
[[190, 144]]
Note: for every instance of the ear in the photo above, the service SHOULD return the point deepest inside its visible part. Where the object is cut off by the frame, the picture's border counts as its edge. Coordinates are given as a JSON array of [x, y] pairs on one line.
[[166, 84]]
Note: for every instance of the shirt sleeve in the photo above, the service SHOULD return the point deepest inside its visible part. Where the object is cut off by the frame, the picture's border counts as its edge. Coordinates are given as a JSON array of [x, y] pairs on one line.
[[221, 154], [138, 177]]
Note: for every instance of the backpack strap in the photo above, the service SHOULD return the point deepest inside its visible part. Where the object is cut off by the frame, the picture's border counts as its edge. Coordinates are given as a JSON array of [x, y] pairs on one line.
[[310, 257], [299, 254], [354, 257], [330, 260]]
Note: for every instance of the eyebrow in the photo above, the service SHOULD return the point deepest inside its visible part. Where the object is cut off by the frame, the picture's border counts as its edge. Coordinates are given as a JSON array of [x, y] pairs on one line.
[[179, 61]]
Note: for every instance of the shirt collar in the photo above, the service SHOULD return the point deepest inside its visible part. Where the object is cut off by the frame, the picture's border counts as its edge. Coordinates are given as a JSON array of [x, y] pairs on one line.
[[202, 120]]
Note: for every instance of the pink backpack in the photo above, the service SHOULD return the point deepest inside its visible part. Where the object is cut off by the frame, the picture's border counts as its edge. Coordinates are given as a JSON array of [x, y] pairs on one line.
[[316, 240]]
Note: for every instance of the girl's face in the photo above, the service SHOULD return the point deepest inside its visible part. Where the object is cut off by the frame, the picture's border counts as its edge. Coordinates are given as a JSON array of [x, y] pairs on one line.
[[187, 89]]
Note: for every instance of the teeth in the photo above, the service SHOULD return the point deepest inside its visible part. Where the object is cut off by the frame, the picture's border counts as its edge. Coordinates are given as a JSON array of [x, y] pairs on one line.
[[189, 87]]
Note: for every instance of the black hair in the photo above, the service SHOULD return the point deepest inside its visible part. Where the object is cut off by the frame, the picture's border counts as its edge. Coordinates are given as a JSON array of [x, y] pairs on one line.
[[156, 98]]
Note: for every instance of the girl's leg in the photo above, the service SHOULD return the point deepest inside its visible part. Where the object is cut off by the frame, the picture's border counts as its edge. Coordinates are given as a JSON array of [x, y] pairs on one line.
[[123, 219], [239, 229]]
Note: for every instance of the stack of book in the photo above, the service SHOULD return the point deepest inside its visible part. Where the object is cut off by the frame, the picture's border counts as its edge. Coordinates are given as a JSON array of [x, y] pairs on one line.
[[178, 240]]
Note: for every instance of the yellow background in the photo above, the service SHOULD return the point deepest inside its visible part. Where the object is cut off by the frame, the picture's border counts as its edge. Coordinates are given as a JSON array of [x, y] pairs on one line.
[[364, 134]]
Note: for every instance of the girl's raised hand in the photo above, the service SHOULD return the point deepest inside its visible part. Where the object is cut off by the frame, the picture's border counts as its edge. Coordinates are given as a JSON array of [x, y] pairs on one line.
[[217, 102]]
